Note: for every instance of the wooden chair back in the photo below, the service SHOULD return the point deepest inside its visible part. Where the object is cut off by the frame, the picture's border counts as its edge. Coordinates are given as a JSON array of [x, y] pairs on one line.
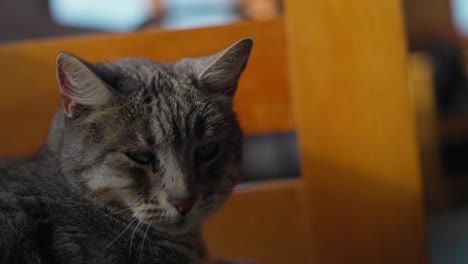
[[335, 71]]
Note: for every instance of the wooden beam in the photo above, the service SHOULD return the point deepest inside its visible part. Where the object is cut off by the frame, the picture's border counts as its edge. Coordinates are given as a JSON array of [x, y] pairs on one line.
[[356, 131]]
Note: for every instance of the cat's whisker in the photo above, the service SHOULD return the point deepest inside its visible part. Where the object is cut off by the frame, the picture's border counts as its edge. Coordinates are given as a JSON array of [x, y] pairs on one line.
[[142, 243], [131, 239], [121, 211], [234, 190], [121, 233], [244, 187], [227, 186], [224, 190]]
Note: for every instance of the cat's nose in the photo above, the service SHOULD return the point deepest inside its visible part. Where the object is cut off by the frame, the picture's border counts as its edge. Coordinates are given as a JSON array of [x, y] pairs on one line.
[[182, 205]]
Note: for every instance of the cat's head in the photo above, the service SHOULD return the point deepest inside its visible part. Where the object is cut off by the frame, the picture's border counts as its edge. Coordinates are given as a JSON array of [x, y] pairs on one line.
[[159, 139]]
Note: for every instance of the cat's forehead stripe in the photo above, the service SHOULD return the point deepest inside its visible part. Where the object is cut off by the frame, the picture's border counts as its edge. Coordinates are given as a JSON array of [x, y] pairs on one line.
[[171, 107], [168, 117]]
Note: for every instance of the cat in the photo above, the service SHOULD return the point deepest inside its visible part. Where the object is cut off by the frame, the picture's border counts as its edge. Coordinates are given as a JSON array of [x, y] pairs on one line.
[[139, 154]]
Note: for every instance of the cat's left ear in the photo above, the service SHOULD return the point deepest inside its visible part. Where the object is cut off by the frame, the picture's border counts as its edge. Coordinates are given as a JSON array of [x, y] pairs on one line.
[[219, 73], [79, 85]]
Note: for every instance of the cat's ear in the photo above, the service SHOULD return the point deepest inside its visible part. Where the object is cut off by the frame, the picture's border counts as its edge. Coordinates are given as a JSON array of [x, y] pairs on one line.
[[79, 85], [219, 73]]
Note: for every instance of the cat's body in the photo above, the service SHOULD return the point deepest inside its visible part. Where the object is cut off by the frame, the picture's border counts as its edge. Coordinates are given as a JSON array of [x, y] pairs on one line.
[[141, 153], [43, 220]]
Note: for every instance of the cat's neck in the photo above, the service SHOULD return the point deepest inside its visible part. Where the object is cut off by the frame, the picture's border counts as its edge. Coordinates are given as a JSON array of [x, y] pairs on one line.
[[55, 135]]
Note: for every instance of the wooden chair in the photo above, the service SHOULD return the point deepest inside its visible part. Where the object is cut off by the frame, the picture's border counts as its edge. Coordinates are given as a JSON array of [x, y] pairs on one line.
[[335, 71]]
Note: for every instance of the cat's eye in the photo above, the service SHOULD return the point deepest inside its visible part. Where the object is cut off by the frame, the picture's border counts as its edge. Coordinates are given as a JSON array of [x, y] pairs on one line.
[[142, 158], [207, 152]]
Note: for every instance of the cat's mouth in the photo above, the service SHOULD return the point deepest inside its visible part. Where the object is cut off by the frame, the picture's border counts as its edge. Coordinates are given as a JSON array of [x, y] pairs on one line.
[[173, 224], [167, 218]]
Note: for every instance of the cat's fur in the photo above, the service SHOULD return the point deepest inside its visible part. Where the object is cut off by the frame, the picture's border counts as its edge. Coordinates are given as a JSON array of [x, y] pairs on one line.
[[87, 197]]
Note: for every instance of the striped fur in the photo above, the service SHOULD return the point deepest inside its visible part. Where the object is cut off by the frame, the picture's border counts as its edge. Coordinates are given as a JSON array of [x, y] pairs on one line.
[[171, 112]]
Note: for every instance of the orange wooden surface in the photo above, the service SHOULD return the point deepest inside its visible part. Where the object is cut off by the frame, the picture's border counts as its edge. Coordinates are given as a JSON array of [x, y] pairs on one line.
[[356, 131], [266, 223], [30, 96]]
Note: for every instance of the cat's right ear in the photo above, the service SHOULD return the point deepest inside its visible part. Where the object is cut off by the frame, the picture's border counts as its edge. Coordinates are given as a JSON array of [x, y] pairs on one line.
[[79, 85]]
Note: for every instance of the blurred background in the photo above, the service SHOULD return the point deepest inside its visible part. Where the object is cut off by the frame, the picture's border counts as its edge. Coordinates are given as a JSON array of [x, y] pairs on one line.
[[26, 19], [437, 38]]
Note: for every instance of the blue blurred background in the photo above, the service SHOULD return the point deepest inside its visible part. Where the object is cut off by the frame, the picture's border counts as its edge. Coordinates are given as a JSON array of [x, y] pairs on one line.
[[25, 19]]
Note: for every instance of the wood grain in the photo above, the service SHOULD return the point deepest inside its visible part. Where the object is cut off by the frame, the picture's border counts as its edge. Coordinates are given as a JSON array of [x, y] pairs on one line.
[[356, 131], [30, 95]]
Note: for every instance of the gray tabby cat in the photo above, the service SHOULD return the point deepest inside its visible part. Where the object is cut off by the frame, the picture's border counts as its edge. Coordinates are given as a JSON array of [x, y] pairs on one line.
[[138, 156]]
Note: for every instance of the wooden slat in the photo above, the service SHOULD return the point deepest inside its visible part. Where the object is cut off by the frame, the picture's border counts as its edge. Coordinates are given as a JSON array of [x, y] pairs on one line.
[[29, 94], [356, 131], [266, 223]]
